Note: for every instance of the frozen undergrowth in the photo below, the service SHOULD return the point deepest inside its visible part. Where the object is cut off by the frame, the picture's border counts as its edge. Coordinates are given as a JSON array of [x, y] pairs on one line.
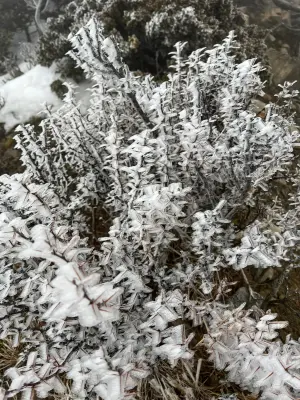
[[170, 164]]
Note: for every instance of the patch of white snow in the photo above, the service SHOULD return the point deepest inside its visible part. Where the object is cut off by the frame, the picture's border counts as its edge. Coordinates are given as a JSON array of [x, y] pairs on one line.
[[27, 95]]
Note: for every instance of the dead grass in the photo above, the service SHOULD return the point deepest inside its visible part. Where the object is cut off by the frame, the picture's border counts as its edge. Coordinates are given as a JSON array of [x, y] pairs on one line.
[[9, 355], [189, 380]]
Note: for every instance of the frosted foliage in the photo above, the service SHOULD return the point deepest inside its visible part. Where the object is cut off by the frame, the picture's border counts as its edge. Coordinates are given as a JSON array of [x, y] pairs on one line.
[[166, 166], [245, 348], [182, 18]]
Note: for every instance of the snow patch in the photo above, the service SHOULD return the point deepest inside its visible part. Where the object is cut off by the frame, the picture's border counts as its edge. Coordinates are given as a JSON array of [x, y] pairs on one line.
[[25, 67], [27, 95]]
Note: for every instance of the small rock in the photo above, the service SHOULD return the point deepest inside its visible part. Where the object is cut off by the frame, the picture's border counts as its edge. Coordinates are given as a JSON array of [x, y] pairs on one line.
[[241, 296], [284, 51], [268, 275], [271, 38], [257, 106]]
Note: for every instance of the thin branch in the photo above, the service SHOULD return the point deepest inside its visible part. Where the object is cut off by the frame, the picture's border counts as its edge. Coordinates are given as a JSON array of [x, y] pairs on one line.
[[286, 5]]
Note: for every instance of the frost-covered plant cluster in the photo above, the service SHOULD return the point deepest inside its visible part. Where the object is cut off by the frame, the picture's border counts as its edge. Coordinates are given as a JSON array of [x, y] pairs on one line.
[[147, 30], [171, 164], [245, 348]]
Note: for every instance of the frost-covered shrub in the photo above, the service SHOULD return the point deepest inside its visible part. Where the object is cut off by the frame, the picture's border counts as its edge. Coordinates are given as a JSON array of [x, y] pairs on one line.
[[5, 41], [148, 30], [54, 43], [245, 347], [14, 15], [170, 164]]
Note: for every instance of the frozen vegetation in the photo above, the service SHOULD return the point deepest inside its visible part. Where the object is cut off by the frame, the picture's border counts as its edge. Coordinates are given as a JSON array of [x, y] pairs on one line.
[[169, 165], [147, 205]]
